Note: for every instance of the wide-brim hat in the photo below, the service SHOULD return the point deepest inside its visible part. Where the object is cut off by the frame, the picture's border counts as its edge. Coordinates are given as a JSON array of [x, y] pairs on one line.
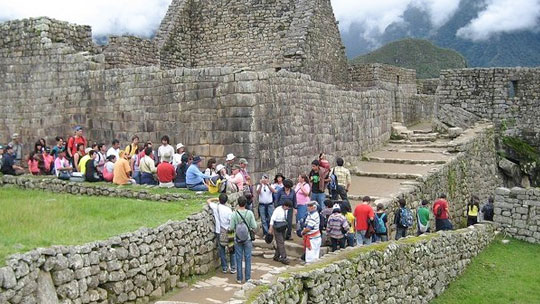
[[243, 161], [167, 157], [15, 136], [230, 156], [219, 167], [196, 160], [179, 146]]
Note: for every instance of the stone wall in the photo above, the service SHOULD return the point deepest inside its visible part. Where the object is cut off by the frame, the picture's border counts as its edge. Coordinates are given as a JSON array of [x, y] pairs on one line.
[[503, 95], [517, 210], [412, 270], [129, 267], [427, 86], [129, 51]]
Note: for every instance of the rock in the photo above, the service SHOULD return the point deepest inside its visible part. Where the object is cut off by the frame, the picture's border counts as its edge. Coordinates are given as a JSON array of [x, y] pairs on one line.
[[46, 293], [454, 132], [511, 170], [8, 275]]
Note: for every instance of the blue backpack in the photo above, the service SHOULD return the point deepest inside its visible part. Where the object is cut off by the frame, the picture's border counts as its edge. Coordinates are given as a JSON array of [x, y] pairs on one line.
[[333, 181], [406, 218], [380, 227]]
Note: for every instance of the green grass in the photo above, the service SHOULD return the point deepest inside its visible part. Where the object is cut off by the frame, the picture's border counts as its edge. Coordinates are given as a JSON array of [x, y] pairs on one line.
[[503, 273], [32, 218]]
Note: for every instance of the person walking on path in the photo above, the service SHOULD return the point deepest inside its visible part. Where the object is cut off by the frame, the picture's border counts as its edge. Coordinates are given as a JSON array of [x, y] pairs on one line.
[[422, 218], [488, 210], [472, 210], [440, 210], [402, 219], [287, 193], [222, 218], [343, 176], [243, 224], [266, 207], [381, 224], [311, 234], [278, 228], [363, 213], [336, 228]]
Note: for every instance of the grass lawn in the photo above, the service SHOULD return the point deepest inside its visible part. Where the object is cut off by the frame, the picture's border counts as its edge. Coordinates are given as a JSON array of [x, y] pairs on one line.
[[503, 273], [32, 218]]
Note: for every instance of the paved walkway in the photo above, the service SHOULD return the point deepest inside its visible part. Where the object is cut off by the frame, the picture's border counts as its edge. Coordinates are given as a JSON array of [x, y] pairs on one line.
[[380, 176]]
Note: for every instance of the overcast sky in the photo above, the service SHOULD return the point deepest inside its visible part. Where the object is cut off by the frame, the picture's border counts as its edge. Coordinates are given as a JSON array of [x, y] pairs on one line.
[[142, 17]]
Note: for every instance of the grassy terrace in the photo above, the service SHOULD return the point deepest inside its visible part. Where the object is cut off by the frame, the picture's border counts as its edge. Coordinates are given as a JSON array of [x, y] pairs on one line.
[[31, 218], [503, 273]]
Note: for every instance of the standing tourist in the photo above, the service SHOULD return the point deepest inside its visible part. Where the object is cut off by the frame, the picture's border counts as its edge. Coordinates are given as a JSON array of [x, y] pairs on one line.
[[319, 179], [115, 149], [59, 145], [343, 176], [177, 157], [336, 228], [323, 162], [363, 214], [166, 172], [402, 219], [277, 185], [17, 146], [8, 163], [243, 224], [472, 210], [195, 178], [347, 211], [302, 191], [381, 224], [133, 148], [287, 193], [74, 142], [147, 168], [440, 210], [229, 162], [422, 217], [278, 227], [488, 210], [266, 206], [165, 148], [122, 170], [222, 219], [311, 234]]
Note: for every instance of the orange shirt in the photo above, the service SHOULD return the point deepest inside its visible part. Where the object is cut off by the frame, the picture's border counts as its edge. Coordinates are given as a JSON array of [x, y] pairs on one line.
[[121, 172], [362, 213]]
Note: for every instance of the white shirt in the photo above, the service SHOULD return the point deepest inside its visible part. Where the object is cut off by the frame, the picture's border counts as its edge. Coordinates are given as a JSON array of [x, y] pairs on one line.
[[210, 172], [113, 151], [110, 166], [177, 159], [223, 217], [279, 215], [265, 197], [162, 150]]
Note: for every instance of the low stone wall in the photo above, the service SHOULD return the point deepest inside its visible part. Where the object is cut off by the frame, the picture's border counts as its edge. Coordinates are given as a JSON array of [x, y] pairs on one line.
[[56, 185], [517, 210], [413, 270], [130, 267]]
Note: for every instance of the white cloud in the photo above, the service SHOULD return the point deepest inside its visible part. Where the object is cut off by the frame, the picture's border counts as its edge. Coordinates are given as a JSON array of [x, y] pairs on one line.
[[107, 17], [502, 16]]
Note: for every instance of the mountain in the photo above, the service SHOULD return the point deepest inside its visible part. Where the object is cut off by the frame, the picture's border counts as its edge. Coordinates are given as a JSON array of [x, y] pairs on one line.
[[421, 55], [520, 48]]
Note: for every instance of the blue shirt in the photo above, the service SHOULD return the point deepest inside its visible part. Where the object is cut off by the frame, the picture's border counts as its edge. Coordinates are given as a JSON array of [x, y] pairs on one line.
[[194, 176], [8, 161], [281, 197]]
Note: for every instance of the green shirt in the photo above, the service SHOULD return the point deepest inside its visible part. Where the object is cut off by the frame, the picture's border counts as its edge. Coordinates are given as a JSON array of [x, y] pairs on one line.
[[248, 216], [423, 215]]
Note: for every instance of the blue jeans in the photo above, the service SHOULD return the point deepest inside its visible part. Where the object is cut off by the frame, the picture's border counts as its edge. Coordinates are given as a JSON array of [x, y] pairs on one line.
[[361, 238], [380, 238], [243, 251], [350, 239], [147, 179], [319, 198], [223, 256], [401, 233], [301, 212], [265, 211], [198, 187], [180, 185], [137, 176]]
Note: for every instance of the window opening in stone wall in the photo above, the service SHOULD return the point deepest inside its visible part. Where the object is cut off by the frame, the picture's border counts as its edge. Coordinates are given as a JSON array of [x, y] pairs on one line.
[[397, 79], [512, 88]]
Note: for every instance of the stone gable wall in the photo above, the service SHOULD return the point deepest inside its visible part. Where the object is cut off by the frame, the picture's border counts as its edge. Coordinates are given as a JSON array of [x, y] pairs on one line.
[[128, 51], [412, 270], [517, 210]]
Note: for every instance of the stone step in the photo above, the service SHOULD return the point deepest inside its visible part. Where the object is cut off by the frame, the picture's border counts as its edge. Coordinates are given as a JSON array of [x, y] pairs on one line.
[[404, 161], [398, 148], [373, 187], [422, 131], [389, 175], [407, 157], [389, 168], [423, 138]]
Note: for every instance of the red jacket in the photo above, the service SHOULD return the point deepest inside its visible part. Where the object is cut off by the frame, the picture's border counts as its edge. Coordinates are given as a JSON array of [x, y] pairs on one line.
[[441, 203]]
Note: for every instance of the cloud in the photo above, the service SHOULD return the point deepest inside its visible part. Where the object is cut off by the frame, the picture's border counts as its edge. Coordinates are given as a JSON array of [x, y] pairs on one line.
[[502, 16], [107, 17]]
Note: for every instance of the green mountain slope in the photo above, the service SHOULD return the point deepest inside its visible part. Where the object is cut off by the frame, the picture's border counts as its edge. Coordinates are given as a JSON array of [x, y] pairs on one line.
[[427, 59]]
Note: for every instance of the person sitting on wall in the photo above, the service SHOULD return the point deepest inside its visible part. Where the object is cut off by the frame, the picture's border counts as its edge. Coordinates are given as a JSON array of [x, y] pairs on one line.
[[440, 210], [181, 170], [101, 157], [1, 154], [62, 166], [165, 148], [195, 178], [8, 163], [33, 164], [165, 172], [48, 161], [211, 167], [488, 210], [177, 157], [134, 164], [91, 173], [115, 149], [77, 157], [84, 160], [122, 171], [147, 168], [108, 169]]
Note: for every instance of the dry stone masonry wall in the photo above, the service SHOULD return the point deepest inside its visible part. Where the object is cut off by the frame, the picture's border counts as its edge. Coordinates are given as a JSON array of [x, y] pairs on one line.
[[517, 210], [129, 51], [412, 270]]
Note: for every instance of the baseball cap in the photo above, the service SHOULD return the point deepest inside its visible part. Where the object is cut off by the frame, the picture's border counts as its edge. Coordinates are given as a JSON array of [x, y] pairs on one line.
[[78, 128]]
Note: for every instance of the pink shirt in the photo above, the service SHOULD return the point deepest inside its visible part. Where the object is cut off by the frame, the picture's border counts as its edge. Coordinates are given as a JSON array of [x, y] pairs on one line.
[[33, 166], [301, 198], [238, 179], [48, 160], [60, 163]]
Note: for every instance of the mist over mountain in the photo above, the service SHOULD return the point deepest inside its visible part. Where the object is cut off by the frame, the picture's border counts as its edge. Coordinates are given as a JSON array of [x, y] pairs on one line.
[[465, 31]]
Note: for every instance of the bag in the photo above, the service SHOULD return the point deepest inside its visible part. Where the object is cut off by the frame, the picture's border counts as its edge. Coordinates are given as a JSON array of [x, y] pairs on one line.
[[225, 187], [223, 232], [280, 226], [64, 175], [371, 230], [333, 181], [380, 227], [488, 211], [242, 231], [405, 218]]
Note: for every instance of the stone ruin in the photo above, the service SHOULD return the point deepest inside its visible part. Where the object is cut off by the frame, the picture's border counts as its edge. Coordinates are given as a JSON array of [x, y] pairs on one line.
[[268, 81]]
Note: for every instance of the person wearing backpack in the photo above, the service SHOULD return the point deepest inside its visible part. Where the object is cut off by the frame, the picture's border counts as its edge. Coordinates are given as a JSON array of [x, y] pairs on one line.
[[222, 219], [243, 224], [402, 219], [342, 180], [287, 193], [336, 228], [440, 210], [422, 217], [488, 210], [278, 228], [381, 224]]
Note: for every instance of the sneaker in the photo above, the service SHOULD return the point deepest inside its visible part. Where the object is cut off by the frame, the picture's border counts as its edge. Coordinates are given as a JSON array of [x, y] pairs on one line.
[[224, 270], [233, 270], [276, 259], [285, 261], [239, 281]]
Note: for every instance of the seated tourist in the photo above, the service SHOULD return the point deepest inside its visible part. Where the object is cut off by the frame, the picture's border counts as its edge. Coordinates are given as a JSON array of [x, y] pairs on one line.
[[122, 170], [90, 173], [8, 163], [1, 154], [48, 161], [236, 177], [134, 163], [33, 164], [165, 172], [101, 157], [211, 167], [108, 169], [77, 157], [61, 165], [58, 147], [177, 157], [181, 170], [194, 177], [84, 160], [147, 168], [114, 149]]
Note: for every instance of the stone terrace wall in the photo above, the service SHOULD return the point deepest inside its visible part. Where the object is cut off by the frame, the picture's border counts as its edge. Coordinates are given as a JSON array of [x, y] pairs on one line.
[[517, 210], [487, 94], [408, 107], [408, 271], [129, 267], [128, 51]]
